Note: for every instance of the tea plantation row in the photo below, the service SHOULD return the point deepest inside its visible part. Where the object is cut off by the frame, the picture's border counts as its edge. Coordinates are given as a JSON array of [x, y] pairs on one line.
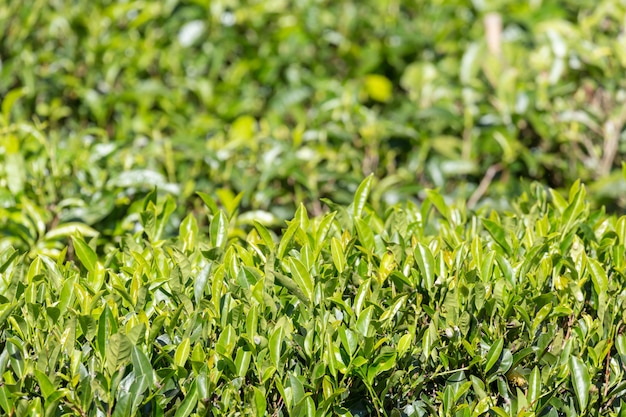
[[294, 101], [425, 309]]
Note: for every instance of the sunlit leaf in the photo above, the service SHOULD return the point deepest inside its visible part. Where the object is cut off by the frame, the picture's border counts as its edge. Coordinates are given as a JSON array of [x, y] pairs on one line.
[[182, 353], [118, 352], [426, 264], [361, 196], [302, 277], [337, 254], [579, 375], [364, 321], [498, 234], [219, 230], [85, 254], [144, 374]]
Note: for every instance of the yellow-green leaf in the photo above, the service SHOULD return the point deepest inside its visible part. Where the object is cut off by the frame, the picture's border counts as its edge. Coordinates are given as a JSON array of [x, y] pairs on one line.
[[182, 353], [378, 87]]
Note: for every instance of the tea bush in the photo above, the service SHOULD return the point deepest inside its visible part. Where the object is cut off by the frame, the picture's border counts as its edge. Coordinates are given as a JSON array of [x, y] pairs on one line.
[[297, 101], [185, 228], [424, 309]]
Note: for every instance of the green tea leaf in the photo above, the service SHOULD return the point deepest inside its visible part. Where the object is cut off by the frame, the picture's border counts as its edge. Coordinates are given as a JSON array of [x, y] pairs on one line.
[[242, 362], [163, 218], [541, 316], [144, 374], [395, 307], [437, 200], [118, 352], [482, 407], [6, 400], [361, 195], [189, 403], [265, 235], [200, 283], [497, 233], [302, 218], [387, 266], [383, 362], [620, 344], [404, 344], [339, 259], [123, 405], [348, 339], [188, 232], [85, 254], [95, 278], [182, 353], [534, 386], [292, 286], [361, 296], [70, 229], [494, 354], [297, 389], [210, 202], [46, 386], [275, 346], [227, 340], [574, 209], [426, 264], [105, 329], [579, 375], [323, 228], [598, 275], [620, 225], [309, 407], [219, 230], [285, 241], [88, 326], [302, 277], [366, 235], [364, 321], [260, 403]]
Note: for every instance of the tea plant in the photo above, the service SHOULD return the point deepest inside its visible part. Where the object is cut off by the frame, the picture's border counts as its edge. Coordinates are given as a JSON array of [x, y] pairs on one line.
[[426, 309], [185, 228], [296, 102]]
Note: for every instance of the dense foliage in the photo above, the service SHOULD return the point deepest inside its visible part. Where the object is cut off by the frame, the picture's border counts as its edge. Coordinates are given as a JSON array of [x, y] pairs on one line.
[[312, 207], [290, 101], [428, 310]]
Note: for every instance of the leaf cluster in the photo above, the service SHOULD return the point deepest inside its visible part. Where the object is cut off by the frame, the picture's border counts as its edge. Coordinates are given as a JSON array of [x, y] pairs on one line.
[[297, 102], [420, 310]]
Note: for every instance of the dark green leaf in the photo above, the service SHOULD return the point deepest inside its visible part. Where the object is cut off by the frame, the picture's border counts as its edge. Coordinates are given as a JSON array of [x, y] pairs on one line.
[[189, 403], [494, 354], [579, 375]]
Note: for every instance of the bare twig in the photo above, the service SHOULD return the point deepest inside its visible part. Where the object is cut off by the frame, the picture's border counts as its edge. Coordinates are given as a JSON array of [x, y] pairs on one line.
[[570, 322], [493, 33], [611, 131], [484, 184], [607, 373]]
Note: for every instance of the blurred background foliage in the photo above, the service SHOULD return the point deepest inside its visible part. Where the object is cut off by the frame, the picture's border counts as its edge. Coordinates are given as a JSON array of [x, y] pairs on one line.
[[263, 104]]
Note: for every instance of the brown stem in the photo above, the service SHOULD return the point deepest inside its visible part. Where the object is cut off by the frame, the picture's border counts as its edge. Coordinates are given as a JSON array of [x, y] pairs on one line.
[[484, 184]]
